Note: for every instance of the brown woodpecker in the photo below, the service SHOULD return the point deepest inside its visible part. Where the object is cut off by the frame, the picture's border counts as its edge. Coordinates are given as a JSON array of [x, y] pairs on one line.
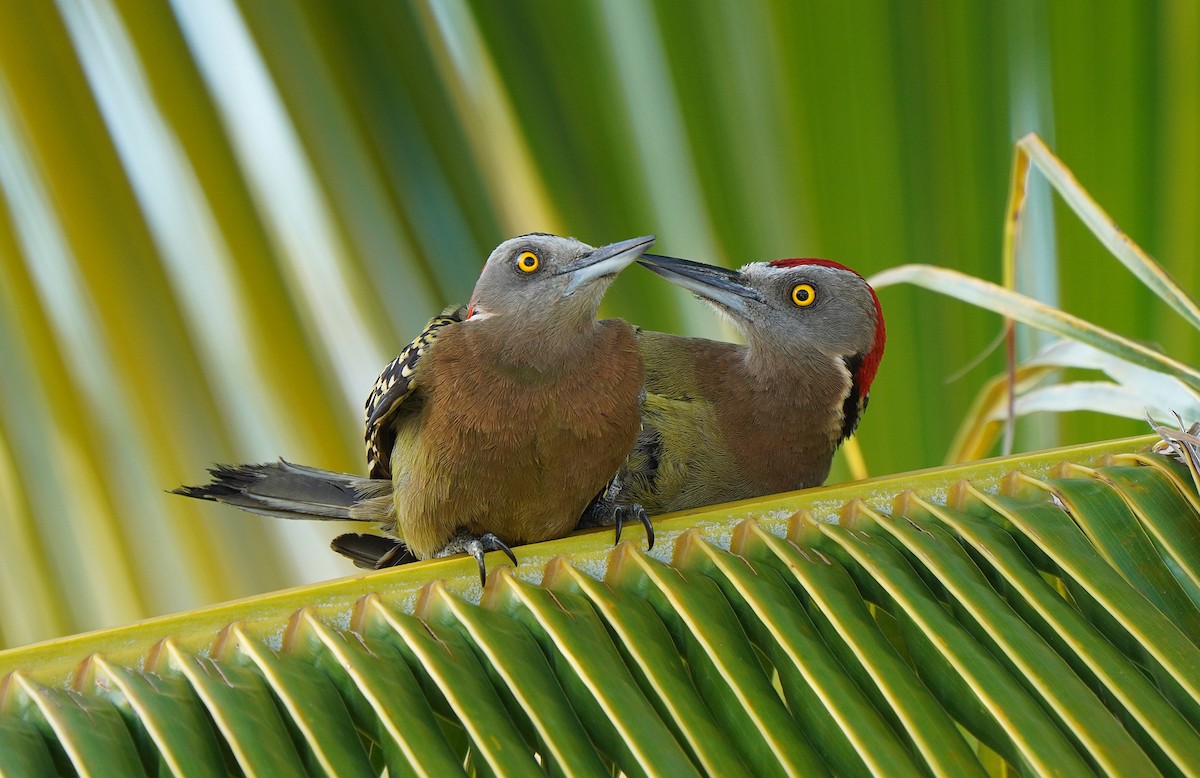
[[499, 424], [726, 422]]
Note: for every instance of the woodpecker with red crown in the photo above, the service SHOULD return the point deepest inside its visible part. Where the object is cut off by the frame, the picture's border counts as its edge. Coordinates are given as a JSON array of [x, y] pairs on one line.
[[726, 422]]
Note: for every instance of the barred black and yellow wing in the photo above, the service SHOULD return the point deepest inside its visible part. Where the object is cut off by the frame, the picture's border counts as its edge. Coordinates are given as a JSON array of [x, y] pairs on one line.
[[394, 385]]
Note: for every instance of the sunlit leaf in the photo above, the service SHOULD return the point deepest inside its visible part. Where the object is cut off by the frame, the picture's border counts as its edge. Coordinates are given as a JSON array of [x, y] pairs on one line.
[[1018, 613]]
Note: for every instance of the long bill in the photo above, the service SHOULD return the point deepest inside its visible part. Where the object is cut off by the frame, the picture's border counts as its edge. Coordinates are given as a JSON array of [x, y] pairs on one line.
[[605, 261], [721, 285]]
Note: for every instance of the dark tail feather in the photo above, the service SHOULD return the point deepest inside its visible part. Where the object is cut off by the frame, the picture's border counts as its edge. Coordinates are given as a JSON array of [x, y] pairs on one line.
[[287, 491], [373, 552]]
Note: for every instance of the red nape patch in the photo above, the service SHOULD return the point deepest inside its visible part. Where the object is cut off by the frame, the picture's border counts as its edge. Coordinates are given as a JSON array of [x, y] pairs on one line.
[[870, 364]]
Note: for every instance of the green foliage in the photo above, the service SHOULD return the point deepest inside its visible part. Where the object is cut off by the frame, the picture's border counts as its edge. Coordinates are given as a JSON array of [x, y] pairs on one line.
[[1039, 611], [221, 219]]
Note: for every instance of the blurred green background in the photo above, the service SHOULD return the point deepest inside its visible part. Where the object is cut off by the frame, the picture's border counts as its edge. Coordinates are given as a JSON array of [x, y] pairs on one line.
[[220, 219]]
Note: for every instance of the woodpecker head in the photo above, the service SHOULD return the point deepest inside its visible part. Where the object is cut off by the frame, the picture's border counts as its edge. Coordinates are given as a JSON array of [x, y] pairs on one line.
[[790, 308], [540, 277]]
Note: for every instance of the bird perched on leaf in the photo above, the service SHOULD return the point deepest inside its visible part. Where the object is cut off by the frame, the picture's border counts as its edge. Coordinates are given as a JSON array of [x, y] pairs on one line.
[[497, 425], [726, 422]]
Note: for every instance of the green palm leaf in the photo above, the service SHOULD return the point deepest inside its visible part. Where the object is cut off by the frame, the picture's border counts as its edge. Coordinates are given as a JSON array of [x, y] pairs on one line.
[[1010, 611], [219, 219]]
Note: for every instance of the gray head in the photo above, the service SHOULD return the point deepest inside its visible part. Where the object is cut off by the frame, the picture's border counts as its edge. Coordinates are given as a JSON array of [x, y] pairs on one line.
[[790, 307], [540, 277]]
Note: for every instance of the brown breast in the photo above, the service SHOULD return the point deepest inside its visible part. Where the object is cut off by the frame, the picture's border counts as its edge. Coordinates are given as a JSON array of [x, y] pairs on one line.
[[780, 426], [506, 449]]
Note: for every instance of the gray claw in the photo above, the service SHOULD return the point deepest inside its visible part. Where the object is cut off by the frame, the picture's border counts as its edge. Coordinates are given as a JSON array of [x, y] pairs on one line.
[[638, 512], [486, 542]]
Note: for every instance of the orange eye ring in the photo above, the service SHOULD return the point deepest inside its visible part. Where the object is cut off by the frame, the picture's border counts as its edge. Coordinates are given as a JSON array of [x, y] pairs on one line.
[[804, 295], [528, 262]]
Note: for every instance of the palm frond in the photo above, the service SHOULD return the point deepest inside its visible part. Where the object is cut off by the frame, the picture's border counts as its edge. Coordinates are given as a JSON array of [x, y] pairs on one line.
[[220, 219], [1039, 612]]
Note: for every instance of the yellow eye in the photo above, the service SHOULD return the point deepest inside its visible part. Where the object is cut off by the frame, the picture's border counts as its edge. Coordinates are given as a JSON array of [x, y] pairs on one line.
[[528, 262], [804, 295]]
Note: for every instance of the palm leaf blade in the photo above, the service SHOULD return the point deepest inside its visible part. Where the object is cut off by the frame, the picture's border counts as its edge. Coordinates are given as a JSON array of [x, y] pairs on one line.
[[240, 705], [721, 660], [1125, 616], [523, 677], [81, 730], [963, 673], [845, 622], [1114, 530], [757, 641], [1163, 512], [836, 714], [170, 715], [1044, 674], [23, 751], [456, 684], [595, 678], [319, 719], [648, 651], [383, 698], [1156, 724]]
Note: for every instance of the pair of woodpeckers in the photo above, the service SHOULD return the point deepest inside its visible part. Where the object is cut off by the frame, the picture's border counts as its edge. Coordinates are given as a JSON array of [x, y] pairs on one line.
[[521, 417]]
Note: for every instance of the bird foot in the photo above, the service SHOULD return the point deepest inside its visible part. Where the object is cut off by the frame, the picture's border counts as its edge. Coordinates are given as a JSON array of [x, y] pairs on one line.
[[476, 546], [624, 512], [606, 510]]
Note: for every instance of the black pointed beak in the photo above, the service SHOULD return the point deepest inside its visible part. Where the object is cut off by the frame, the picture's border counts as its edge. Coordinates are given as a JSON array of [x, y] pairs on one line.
[[720, 285], [605, 261]]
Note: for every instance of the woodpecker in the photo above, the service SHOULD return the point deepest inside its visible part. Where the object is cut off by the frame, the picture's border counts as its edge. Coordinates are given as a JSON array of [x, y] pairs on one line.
[[727, 422], [499, 424]]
